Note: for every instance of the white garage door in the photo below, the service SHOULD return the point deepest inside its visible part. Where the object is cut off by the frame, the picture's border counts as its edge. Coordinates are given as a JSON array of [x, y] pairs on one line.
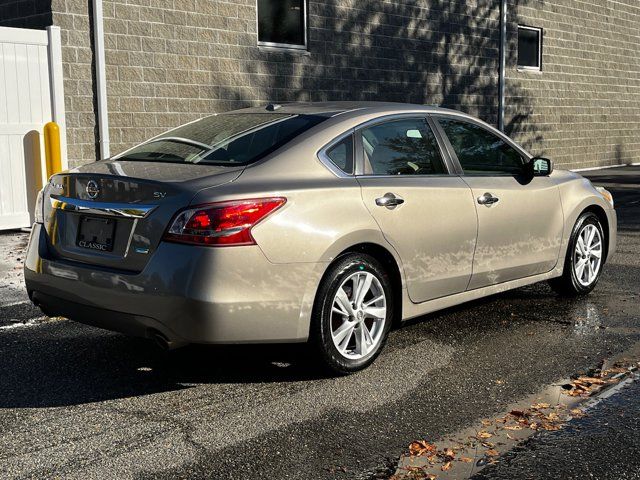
[[27, 102]]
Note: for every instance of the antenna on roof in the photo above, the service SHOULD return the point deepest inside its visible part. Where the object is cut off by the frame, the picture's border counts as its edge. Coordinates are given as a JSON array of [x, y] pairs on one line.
[[273, 106]]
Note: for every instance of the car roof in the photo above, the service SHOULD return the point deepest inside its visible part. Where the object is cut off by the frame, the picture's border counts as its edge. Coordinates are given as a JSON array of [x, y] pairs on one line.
[[329, 109]]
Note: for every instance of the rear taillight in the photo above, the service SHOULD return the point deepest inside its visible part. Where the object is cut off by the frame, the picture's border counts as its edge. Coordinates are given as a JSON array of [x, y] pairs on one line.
[[221, 224]]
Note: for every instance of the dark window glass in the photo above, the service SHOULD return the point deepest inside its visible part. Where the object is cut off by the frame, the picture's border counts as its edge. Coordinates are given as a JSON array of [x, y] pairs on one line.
[[281, 21], [401, 147], [230, 139], [341, 154], [480, 151], [529, 44]]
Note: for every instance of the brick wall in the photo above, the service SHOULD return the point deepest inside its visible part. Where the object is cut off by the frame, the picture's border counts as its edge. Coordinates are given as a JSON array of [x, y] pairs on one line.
[[583, 109], [72, 16], [170, 61]]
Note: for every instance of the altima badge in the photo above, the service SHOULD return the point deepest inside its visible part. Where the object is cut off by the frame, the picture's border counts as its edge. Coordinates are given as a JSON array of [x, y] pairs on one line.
[[93, 190]]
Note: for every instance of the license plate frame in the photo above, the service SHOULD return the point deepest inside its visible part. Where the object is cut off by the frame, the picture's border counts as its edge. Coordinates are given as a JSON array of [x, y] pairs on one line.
[[96, 233]]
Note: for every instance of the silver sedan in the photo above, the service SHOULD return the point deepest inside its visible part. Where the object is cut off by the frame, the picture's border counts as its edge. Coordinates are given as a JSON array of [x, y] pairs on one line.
[[324, 223]]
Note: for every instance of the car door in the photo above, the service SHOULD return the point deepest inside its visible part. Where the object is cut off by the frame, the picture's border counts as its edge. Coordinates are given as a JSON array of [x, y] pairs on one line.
[[425, 213], [520, 220]]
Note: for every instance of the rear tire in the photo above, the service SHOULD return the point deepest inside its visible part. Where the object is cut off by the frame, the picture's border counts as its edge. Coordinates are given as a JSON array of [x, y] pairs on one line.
[[585, 258], [352, 315]]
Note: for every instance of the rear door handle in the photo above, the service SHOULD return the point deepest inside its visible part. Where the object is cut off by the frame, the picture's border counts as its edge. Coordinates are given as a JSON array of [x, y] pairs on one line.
[[487, 199], [389, 200]]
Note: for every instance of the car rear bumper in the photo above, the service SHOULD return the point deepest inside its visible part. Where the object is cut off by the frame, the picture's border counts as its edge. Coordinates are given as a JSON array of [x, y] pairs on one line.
[[186, 293]]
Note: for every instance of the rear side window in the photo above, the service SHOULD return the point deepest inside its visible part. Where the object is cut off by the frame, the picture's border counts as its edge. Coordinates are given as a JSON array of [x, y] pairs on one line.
[[229, 139], [480, 151], [401, 147], [341, 154]]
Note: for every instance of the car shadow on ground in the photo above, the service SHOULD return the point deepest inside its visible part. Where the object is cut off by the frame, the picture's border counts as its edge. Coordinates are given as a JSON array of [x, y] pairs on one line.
[[63, 363]]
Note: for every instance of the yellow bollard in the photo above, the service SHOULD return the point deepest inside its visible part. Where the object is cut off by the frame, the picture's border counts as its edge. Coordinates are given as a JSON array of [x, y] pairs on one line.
[[52, 151]]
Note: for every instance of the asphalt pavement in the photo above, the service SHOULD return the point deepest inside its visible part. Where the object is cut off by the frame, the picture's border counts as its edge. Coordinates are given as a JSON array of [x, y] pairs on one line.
[[79, 402]]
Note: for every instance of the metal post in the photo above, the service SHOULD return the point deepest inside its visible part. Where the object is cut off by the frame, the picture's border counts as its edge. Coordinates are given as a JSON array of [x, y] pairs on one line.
[[503, 49], [101, 80]]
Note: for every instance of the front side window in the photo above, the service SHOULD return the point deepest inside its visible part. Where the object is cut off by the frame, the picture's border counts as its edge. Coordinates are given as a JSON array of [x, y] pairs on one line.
[[401, 147], [529, 48], [227, 140], [282, 23], [479, 151]]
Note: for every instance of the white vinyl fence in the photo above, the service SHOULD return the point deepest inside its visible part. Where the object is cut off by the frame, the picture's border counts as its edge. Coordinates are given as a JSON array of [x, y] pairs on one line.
[[31, 95]]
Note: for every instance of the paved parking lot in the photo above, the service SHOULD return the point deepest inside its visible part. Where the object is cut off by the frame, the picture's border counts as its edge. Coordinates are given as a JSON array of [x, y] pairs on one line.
[[79, 402]]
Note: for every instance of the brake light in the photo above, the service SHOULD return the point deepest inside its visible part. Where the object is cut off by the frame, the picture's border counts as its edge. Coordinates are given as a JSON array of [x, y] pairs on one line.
[[221, 224]]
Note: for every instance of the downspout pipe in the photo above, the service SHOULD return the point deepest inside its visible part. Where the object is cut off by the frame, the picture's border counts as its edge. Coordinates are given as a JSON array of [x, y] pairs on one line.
[[101, 80], [501, 74]]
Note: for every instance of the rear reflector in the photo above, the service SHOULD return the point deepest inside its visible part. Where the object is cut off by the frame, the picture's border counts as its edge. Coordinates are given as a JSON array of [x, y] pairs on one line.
[[221, 224]]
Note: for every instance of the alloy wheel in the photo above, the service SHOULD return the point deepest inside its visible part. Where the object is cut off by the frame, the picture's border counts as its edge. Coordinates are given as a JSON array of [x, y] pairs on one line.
[[587, 257], [358, 315]]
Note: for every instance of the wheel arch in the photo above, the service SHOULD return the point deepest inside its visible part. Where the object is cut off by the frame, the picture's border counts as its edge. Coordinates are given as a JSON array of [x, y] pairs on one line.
[[388, 260], [599, 212]]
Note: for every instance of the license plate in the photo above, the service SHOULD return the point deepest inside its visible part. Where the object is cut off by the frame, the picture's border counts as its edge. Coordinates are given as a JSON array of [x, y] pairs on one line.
[[96, 233]]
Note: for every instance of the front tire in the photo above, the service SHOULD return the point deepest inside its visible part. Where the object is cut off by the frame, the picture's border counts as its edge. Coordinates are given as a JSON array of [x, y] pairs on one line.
[[585, 257], [352, 314]]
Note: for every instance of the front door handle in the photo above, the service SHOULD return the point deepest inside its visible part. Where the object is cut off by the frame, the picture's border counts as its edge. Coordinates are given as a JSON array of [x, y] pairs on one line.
[[389, 200], [487, 199]]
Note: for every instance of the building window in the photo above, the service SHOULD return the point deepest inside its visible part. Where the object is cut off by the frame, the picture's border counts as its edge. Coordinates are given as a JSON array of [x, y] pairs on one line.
[[282, 23], [529, 48]]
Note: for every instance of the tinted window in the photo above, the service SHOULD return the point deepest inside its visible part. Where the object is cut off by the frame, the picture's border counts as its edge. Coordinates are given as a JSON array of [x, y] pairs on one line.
[[281, 21], [401, 147], [230, 139], [341, 154], [529, 45], [479, 150]]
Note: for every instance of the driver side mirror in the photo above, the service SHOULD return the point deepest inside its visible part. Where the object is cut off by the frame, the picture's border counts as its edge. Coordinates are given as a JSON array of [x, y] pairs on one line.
[[540, 167]]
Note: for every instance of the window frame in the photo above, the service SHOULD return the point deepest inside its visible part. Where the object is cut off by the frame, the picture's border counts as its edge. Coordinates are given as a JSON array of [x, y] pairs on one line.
[[358, 146], [286, 46], [526, 156], [529, 68]]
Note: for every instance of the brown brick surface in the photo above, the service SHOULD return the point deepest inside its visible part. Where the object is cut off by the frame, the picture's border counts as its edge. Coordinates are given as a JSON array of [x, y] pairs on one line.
[[170, 61]]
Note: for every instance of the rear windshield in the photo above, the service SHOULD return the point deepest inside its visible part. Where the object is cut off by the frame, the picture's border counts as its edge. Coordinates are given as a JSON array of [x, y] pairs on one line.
[[229, 139]]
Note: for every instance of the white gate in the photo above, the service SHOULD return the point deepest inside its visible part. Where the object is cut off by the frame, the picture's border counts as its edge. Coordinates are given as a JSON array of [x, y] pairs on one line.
[[30, 95]]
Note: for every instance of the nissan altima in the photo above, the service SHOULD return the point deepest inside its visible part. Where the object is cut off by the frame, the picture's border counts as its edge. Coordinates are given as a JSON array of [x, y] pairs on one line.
[[324, 223]]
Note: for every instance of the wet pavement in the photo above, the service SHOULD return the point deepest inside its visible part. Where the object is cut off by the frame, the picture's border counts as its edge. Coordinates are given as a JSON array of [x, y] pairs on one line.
[[605, 444], [79, 402]]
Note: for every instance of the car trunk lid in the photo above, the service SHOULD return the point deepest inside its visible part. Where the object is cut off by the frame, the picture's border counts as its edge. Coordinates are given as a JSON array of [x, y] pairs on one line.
[[113, 213]]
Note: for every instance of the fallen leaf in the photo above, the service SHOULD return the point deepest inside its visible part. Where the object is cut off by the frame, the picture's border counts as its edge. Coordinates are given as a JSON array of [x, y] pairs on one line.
[[592, 380], [576, 412], [538, 406], [466, 459], [486, 423], [492, 453], [517, 413], [446, 466], [549, 427], [484, 434], [449, 454], [533, 426], [513, 427], [421, 447]]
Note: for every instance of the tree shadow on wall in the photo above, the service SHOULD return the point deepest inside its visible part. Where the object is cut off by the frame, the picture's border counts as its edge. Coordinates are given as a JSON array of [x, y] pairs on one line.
[[443, 53]]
